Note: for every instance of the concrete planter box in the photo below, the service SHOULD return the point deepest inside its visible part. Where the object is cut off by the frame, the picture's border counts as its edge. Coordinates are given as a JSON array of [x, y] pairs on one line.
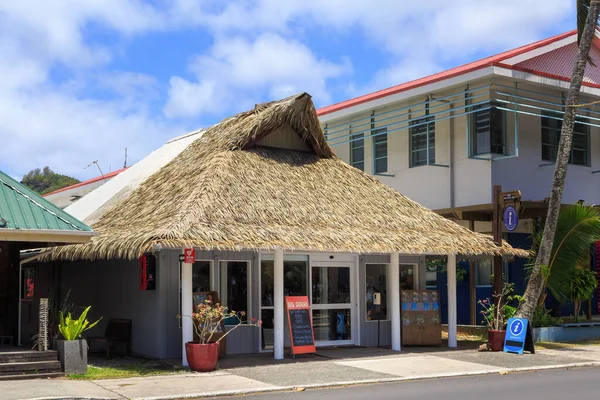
[[567, 333], [73, 356]]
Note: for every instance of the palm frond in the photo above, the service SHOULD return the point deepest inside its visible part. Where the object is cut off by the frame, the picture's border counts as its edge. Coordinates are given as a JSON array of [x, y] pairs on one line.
[[583, 8], [578, 228]]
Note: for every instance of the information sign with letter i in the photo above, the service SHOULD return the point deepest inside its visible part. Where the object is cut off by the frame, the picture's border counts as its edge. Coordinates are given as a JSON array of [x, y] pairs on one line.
[[518, 336]]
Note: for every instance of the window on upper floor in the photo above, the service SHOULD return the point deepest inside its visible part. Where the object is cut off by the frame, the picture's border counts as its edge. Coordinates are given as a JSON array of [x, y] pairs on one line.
[[422, 141], [380, 151], [551, 129], [488, 130], [357, 151]]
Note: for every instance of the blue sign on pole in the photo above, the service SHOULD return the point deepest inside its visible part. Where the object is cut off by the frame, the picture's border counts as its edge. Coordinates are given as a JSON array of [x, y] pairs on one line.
[[516, 335], [511, 218]]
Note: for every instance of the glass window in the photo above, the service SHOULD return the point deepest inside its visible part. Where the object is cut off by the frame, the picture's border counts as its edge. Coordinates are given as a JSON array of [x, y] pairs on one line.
[[357, 151], [234, 285], [432, 266], [380, 150], [28, 282], [295, 283], [487, 130], [551, 130], [330, 285], [484, 272], [406, 277], [294, 280], [201, 276], [376, 283], [422, 141]]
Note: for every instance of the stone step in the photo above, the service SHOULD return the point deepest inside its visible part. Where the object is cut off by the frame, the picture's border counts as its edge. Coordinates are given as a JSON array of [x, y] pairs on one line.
[[12, 368], [43, 375]]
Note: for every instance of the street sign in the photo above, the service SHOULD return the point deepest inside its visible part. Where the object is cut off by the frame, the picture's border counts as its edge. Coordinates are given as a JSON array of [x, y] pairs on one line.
[[511, 218], [518, 336], [513, 197], [189, 256]]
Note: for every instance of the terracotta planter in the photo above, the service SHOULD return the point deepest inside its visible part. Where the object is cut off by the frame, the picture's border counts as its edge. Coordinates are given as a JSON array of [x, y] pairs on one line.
[[202, 357], [496, 339]]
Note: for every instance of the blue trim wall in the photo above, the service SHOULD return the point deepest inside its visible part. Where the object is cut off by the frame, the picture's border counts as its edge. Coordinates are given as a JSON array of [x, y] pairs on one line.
[[517, 274]]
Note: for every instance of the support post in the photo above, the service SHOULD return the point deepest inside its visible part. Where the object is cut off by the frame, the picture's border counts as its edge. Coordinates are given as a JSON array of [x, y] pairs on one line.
[[278, 318], [393, 295], [452, 315], [187, 328], [497, 232]]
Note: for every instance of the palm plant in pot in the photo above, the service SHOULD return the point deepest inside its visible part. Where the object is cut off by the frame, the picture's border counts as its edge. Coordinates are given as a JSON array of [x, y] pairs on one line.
[[72, 349], [202, 355], [496, 314]]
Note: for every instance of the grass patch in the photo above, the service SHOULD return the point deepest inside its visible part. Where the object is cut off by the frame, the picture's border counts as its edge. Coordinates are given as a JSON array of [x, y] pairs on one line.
[[553, 345], [465, 337], [127, 367]]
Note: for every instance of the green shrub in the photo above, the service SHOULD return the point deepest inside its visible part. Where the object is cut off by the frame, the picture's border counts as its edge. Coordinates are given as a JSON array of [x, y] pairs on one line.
[[72, 328], [542, 317]]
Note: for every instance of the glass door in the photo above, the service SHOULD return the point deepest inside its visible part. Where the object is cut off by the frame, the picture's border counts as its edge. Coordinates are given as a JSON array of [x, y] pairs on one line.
[[332, 304]]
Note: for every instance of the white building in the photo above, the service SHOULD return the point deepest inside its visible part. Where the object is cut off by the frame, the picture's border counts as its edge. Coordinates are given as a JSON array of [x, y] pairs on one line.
[[445, 140], [68, 195]]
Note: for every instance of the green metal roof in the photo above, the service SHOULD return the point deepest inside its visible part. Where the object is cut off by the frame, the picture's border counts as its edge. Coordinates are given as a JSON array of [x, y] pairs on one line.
[[22, 208]]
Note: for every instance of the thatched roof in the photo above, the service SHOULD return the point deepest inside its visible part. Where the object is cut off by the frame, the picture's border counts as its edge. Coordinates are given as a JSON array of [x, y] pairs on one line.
[[235, 188]]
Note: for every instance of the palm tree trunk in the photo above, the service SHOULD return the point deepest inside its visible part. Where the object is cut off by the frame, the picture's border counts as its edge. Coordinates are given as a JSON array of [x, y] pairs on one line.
[[536, 280]]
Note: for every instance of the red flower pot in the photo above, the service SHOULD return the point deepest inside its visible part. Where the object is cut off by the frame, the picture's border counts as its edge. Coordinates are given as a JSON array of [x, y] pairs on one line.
[[202, 357], [496, 339]]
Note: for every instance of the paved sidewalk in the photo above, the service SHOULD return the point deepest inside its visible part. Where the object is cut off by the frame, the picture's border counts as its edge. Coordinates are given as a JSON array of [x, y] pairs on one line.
[[251, 374]]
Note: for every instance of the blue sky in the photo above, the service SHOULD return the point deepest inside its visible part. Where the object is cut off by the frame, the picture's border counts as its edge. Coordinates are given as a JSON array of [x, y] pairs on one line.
[[82, 80]]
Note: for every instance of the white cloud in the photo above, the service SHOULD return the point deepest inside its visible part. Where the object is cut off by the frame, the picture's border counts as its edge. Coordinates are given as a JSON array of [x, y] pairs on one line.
[[48, 123], [234, 67], [414, 33], [260, 51]]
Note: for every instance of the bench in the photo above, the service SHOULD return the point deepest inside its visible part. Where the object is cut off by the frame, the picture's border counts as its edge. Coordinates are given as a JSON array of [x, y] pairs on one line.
[[117, 331]]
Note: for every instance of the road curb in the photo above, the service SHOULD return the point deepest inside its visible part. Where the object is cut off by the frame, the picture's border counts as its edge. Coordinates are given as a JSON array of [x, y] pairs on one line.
[[489, 371]]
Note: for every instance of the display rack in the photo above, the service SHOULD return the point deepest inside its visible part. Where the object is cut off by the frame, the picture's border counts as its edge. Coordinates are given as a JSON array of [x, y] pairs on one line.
[[421, 324]]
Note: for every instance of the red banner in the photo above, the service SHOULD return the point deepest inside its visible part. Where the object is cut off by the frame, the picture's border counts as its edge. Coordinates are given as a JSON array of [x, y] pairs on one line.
[[302, 336]]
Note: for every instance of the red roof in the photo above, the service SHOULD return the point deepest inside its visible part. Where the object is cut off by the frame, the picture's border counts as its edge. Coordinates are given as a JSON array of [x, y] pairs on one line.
[[463, 69], [559, 63], [99, 178]]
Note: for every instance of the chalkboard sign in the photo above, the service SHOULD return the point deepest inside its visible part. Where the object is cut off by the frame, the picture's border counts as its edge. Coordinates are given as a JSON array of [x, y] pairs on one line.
[[300, 324], [301, 329]]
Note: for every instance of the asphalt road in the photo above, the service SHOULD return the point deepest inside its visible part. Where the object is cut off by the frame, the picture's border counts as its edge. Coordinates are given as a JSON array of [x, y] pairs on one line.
[[579, 383]]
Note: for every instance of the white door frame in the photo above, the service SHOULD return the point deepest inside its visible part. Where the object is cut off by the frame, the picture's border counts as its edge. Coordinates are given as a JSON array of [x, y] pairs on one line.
[[352, 305]]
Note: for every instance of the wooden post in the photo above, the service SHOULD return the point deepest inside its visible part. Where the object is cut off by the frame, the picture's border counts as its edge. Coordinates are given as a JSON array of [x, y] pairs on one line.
[[497, 233]]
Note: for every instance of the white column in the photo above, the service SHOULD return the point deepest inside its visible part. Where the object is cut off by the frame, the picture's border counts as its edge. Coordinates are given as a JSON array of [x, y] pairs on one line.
[[393, 298], [187, 328], [278, 303], [451, 267]]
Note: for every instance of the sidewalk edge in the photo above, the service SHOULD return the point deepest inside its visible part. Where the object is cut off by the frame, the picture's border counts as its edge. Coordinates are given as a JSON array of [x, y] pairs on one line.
[[488, 371]]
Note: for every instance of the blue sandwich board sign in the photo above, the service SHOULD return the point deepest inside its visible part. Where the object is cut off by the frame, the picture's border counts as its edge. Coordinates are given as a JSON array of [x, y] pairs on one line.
[[518, 336]]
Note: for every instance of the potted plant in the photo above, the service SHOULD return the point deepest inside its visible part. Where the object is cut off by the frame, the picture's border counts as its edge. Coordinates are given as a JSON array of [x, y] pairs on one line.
[[497, 316], [72, 349], [203, 355]]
